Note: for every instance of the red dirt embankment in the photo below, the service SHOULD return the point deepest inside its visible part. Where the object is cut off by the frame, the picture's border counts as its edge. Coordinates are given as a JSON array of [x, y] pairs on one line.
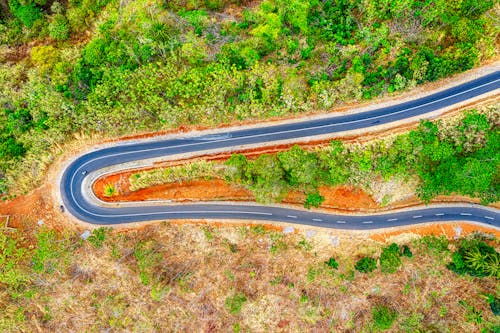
[[342, 197]]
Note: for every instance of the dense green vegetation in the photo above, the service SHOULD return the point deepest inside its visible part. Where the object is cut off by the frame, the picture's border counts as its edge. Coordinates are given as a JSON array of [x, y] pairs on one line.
[[113, 67], [463, 158], [476, 258], [457, 157]]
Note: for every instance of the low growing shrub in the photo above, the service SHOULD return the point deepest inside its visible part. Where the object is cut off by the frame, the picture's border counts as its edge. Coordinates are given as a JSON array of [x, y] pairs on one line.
[[366, 265], [390, 259], [383, 317]]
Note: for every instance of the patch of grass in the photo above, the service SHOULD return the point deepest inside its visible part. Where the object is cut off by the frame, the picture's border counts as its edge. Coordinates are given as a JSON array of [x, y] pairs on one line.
[[98, 236], [234, 303], [433, 244], [147, 260]]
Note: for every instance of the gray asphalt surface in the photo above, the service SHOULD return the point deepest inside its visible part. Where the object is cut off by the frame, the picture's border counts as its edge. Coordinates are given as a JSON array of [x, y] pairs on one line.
[[75, 202]]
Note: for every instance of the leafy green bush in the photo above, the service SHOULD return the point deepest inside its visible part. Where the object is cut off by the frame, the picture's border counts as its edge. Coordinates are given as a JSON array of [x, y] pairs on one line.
[[313, 200], [58, 28], [234, 303], [406, 251], [390, 260], [27, 12], [366, 265], [475, 258], [383, 317]]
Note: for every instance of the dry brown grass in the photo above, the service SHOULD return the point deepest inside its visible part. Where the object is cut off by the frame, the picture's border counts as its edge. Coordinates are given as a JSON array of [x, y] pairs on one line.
[[193, 269]]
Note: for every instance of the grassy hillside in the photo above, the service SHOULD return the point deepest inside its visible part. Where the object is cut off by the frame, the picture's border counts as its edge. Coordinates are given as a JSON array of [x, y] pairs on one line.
[[114, 67], [202, 279]]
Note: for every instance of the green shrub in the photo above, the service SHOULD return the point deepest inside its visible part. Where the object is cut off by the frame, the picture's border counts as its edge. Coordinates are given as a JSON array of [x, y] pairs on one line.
[[234, 303], [59, 27], [366, 265], [383, 317], [390, 259], [314, 200], [406, 251], [475, 258], [332, 263], [28, 13]]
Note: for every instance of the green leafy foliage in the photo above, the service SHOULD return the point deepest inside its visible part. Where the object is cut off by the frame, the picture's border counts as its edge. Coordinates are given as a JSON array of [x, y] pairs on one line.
[[148, 260], [27, 12], [406, 252], [47, 254], [59, 28], [476, 258], [390, 260], [313, 200], [332, 263], [383, 317], [366, 265], [11, 257], [155, 66], [98, 236]]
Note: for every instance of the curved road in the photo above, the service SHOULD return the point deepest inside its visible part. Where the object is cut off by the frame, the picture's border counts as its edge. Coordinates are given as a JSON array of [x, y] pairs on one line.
[[77, 204]]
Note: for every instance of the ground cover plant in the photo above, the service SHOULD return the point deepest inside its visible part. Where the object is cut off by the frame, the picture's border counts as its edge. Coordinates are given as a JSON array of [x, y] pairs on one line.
[[113, 67]]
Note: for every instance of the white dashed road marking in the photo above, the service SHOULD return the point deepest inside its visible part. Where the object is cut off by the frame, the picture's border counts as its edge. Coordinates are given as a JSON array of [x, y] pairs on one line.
[[319, 220], [417, 216], [367, 222], [292, 216], [340, 221], [465, 214], [489, 217], [439, 214], [390, 220]]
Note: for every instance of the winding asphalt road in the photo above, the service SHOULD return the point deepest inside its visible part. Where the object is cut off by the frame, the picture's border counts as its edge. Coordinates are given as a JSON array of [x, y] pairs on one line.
[[77, 203]]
